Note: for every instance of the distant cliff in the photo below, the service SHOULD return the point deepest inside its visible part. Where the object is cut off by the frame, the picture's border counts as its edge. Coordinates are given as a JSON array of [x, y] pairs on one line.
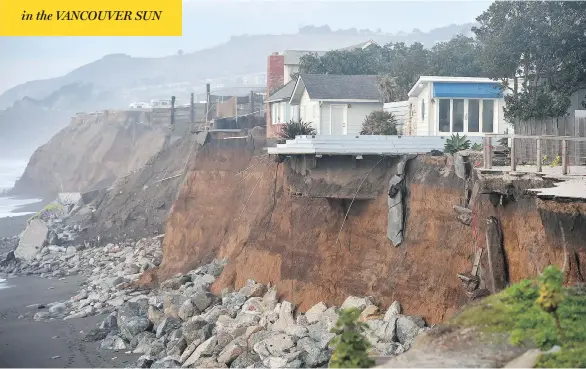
[[92, 151]]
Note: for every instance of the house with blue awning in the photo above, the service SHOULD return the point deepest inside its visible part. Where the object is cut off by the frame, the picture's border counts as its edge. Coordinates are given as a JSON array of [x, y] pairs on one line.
[[442, 106]]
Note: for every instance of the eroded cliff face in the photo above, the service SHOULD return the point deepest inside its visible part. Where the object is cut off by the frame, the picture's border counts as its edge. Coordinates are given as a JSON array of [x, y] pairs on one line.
[[92, 151], [237, 204]]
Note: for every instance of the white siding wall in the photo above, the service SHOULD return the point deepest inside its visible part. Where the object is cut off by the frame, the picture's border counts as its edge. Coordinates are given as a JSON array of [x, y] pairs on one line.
[[290, 69], [309, 111], [425, 121], [357, 114], [400, 111], [282, 112]]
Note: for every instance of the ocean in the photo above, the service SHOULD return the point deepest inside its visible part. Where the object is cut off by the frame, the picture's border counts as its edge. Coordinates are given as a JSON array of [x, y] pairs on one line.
[[10, 171]]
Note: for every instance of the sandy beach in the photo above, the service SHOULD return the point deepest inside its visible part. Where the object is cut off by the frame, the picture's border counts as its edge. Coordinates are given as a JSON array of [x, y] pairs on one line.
[[25, 343]]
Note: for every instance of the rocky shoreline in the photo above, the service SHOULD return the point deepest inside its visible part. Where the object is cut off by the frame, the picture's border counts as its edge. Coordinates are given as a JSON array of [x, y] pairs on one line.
[[181, 323]]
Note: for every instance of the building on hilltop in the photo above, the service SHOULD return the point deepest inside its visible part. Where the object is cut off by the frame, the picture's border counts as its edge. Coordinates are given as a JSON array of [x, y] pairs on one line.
[[281, 67], [336, 104], [442, 106]]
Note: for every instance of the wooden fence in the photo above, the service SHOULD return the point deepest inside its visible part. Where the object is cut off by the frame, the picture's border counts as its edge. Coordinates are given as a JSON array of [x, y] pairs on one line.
[[526, 148]]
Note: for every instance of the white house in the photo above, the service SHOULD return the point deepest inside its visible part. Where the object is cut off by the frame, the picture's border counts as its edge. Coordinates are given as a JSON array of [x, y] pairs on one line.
[[280, 109], [441, 106], [336, 104], [291, 58]]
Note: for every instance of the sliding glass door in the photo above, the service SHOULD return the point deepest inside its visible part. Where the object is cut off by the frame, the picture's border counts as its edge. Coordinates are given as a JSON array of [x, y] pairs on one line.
[[466, 115]]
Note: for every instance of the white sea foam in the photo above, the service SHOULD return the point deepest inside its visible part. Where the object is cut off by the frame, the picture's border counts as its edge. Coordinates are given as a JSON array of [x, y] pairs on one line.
[[10, 171]]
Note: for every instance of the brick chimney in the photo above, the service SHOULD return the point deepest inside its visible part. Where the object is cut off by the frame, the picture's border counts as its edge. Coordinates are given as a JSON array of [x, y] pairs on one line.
[[275, 79]]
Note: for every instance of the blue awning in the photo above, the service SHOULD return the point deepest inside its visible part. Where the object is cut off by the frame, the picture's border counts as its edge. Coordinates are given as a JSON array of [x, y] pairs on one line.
[[466, 90]]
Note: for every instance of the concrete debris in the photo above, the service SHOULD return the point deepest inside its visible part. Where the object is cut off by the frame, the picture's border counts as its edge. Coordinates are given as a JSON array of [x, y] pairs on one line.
[[32, 240], [182, 324], [179, 326]]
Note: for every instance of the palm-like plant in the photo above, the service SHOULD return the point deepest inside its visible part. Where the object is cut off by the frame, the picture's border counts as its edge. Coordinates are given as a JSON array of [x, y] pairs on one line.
[[456, 143], [294, 128]]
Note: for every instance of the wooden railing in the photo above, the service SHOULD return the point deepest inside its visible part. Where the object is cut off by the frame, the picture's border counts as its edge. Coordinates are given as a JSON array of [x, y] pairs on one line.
[[577, 153]]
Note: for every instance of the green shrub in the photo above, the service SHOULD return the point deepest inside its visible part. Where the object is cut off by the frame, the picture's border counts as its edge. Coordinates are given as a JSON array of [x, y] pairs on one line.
[[524, 312], [350, 346], [293, 128], [379, 122], [456, 143], [52, 210]]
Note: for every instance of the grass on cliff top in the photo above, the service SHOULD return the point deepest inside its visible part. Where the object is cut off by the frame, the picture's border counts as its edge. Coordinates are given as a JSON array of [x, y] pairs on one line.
[[515, 311], [49, 210]]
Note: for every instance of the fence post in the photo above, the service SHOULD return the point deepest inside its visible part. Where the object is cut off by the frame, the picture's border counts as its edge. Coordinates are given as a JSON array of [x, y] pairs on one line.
[[208, 107], [192, 108], [513, 159], [565, 157], [539, 155], [487, 150], [172, 110]]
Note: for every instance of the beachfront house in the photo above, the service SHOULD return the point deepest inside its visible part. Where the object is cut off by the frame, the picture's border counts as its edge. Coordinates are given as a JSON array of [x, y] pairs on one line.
[[441, 106], [336, 104], [280, 109]]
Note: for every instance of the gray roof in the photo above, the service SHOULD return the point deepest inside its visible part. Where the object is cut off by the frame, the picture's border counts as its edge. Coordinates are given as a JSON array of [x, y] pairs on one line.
[[361, 45], [291, 57], [339, 87], [284, 92]]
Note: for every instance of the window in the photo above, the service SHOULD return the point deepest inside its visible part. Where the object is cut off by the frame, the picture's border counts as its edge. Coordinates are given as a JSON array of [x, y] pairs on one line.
[[274, 113], [458, 117], [473, 115], [422, 110], [487, 115], [445, 114], [466, 115]]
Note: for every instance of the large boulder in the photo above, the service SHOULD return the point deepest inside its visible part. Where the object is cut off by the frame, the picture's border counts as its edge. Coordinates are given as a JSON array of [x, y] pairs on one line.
[[359, 303], [314, 313], [130, 327], [407, 329], [167, 325], [32, 240]]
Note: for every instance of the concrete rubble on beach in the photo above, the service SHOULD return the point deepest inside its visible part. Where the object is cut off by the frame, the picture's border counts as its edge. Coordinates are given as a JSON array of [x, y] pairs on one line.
[[181, 323]]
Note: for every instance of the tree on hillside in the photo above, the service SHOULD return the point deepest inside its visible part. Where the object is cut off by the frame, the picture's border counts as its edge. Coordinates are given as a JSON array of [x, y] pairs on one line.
[[405, 64], [398, 64], [459, 57], [541, 47]]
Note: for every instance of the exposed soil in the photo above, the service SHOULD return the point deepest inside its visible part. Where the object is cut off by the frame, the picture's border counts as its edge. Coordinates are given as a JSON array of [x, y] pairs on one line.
[[236, 203]]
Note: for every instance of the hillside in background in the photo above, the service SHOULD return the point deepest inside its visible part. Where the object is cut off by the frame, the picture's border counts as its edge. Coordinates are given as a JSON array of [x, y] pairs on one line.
[[36, 110], [135, 78]]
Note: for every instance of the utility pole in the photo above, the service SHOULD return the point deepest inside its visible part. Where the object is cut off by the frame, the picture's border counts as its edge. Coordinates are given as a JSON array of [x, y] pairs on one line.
[[236, 105], [192, 108], [207, 102], [172, 111], [251, 102]]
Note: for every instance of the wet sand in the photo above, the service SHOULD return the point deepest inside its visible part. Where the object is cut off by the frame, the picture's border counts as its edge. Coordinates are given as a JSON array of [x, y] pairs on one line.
[[25, 343], [12, 226]]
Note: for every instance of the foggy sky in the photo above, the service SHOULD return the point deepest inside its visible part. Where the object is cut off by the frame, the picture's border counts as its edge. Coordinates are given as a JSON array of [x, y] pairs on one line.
[[210, 22]]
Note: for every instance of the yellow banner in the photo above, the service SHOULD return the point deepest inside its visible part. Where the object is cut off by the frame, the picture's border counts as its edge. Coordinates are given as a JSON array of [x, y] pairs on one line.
[[90, 18]]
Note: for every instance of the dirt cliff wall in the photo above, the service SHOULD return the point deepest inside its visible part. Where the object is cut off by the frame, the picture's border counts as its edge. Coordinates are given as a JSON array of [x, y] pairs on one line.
[[237, 204], [92, 151]]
